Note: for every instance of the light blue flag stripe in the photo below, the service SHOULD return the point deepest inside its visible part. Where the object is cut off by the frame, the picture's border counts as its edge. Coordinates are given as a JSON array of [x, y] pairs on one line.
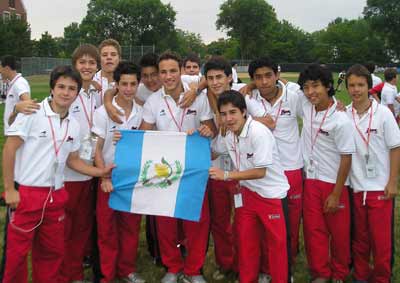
[[194, 180], [128, 156]]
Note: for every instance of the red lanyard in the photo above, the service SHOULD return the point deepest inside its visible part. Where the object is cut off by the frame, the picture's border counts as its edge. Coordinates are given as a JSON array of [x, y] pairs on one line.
[[320, 126], [12, 83], [179, 126], [237, 151], [57, 149], [277, 113], [365, 140], [89, 119]]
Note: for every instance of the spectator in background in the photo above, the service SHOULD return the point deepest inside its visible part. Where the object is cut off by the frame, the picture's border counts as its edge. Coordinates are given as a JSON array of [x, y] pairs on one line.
[[375, 79], [389, 95]]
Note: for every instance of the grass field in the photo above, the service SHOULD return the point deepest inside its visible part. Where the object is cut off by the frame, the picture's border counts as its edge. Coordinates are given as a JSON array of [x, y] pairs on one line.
[[152, 273]]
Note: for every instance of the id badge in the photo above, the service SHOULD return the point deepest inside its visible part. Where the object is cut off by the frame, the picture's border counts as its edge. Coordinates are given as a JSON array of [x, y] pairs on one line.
[[312, 169], [58, 175], [86, 149], [370, 167], [225, 162], [238, 200]]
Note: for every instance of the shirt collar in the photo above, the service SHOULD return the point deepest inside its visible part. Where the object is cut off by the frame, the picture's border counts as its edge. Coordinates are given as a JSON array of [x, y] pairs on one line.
[[257, 95], [245, 131], [133, 111], [185, 89], [49, 112]]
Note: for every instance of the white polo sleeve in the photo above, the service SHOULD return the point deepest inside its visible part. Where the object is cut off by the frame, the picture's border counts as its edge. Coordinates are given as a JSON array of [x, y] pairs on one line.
[[344, 136], [149, 115], [21, 126], [252, 107], [388, 97], [76, 143], [218, 144], [301, 102], [391, 131], [205, 112], [100, 123], [262, 142], [21, 87]]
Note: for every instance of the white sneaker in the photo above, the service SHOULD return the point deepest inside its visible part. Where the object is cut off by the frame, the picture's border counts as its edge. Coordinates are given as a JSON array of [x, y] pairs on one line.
[[193, 279], [133, 278], [170, 278], [264, 278]]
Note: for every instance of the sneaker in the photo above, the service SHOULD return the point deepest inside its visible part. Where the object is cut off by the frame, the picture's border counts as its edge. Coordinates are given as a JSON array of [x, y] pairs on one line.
[[193, 279], [264, 278], [133, 278], [170, 278], [320, 280], [218, 275]]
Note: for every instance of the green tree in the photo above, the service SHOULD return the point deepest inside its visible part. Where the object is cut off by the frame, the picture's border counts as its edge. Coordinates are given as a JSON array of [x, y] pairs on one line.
[[251, 22], [46, 46], [15, 37], [72, 39], [229, 48], [188, 42], [384, 17], [349, 41], [140, 22]]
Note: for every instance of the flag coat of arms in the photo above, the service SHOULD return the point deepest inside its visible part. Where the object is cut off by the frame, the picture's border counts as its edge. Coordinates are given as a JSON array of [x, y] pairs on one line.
[[160, 173]]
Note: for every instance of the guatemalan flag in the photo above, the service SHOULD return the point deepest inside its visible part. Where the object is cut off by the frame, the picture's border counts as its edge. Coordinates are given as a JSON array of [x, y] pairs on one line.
[[160, 173]]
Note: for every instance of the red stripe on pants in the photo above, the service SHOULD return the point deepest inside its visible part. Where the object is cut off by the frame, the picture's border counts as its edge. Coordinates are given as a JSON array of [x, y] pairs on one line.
[[372, 233], [196, 234], [261, 220], [221, 205], [46, 241], [118, 237], [326, 235], [79, 213]]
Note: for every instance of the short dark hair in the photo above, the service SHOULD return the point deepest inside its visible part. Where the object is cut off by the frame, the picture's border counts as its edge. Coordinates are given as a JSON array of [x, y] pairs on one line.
[[149, 60], [317, 72], [192, 58], [218, 63], [370, 67], [262, 62], [85, 49], [65, 71], [169, 55], [359, 71], [10, 61], [234, 97], [126, 68], [390, 74]]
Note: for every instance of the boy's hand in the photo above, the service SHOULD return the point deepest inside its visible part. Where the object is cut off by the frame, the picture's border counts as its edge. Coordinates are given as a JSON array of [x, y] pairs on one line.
[[12, 198]]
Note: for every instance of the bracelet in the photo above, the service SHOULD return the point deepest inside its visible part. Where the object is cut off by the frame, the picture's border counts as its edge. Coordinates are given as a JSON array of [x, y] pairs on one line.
[[226, 175]]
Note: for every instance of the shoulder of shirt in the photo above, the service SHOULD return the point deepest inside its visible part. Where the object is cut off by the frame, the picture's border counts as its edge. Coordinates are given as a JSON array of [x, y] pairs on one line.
[[340, 117], [257, 128], [101, 111], [155, 97]]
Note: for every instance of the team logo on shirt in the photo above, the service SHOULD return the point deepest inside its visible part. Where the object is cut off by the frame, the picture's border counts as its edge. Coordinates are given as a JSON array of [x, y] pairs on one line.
[[250, 155], [76, 109], [325, 133], [372, 131], [43, 134], [285, 112], [113, 128], [134, 128], [160, 175], [189, 112], [162, 112], [70, 139]]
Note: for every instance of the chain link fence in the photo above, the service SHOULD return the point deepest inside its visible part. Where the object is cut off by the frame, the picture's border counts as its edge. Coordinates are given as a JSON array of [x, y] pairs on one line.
[[40, 65], [133, 53]]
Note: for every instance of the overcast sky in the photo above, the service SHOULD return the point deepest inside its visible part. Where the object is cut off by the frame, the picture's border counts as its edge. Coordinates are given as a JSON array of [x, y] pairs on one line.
[[196, 16]]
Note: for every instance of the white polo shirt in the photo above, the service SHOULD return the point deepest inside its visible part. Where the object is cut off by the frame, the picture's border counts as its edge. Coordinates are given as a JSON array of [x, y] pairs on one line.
[[36, 158], [104, 127], [384, 136], [335, 138], [291, 86], [286, 132], [188, 79], [160, 109], [18, 86], [105, 85], [256, 148], [82, 109], [388, 96], [143, 93], [375, 80]]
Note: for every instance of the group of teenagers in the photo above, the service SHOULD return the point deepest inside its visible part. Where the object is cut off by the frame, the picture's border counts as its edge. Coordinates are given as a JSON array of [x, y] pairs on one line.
[[338, 174]]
